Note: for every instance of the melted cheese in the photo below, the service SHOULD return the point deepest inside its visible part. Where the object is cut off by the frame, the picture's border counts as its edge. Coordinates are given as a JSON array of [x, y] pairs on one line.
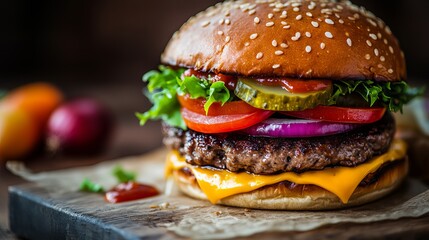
[[341, 181]]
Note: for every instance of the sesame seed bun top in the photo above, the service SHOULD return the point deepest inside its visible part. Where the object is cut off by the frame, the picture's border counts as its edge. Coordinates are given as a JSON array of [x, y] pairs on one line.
[[301, 38]]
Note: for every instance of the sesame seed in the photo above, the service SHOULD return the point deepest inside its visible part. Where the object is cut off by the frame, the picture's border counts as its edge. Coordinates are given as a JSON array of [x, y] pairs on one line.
[[308, 34], [337, 15], [367, 57], [322, 46], [246, 44], [276, 66], [274, 43], [205, 24], [220, 33], [279, 5], [227, 21], [251, 12], [341, 21], [391, 49], [227, 39], [269, 24], [372, 22], [385, 41], [284, 13], [276, 10], [382, 58], [284, 45], [296, 4], [390, 70], [315, 24], [376, 52], [259, 55], [309, 14], [270, 15], [256, 20], [278, 53], [373, 36], [299, 17], [369, 43], [380, 66], [349, 42], [253, 36], [311, 6], [308, 49], [329, 21], [329, 35], [296, 9], [387, 30], [286, 27], [296, 37], [284, 23], [326, 11], [379, 35], [221, 21]]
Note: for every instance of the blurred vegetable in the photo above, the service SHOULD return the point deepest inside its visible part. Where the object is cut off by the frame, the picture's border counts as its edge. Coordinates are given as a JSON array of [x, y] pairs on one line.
[[79, 126], [2, 93], [88, 186], [19, 133], [123, 176], [38, 99]]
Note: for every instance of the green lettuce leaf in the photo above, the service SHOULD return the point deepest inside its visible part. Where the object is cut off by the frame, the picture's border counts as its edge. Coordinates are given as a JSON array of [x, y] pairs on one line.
[[89, 186], [392, 95], [165, 84], [123, 176]]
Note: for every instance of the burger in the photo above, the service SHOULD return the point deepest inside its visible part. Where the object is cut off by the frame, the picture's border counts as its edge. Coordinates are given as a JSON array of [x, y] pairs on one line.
[[282, 105]]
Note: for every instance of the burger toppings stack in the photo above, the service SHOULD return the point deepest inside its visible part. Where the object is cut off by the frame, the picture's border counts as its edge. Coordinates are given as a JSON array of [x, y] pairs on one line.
[[282, 105]]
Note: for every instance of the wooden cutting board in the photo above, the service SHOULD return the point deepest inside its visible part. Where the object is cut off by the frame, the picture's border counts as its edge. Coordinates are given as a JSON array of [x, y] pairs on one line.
[[43, 210], [36, 214]]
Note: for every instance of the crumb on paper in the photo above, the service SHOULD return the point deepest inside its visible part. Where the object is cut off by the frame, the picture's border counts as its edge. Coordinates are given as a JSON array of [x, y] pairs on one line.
[[218, 213], [164, 205]]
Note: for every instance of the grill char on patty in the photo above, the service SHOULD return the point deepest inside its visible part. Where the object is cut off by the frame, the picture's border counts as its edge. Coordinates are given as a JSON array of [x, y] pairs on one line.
[[262, 155]]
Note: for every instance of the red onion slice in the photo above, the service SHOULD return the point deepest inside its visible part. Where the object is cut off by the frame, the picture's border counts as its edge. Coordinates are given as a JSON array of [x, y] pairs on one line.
[[297, 128]]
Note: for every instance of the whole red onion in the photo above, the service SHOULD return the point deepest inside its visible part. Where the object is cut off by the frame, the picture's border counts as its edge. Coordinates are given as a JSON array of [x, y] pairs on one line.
[[79, 126]]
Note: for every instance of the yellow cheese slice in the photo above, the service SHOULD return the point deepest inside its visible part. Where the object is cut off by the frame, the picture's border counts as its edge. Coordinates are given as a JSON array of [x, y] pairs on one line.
[[341, 181]]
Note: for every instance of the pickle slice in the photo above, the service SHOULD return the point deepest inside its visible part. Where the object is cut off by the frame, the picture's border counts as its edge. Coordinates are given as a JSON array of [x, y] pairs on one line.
[[278, 99]]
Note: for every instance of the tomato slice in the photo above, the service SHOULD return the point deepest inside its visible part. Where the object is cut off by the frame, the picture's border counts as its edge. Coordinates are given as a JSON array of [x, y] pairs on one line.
[[297, 85], [222, 123], [216, 109], [340, 114]]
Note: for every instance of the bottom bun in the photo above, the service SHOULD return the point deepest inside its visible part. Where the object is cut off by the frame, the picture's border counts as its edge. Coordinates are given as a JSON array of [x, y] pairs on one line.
[[289, 196]]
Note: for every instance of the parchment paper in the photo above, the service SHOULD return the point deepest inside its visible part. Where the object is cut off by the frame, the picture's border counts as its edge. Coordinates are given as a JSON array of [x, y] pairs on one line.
[[217, 222]]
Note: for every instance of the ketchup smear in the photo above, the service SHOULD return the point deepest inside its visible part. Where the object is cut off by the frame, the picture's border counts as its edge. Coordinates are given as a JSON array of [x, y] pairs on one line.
[[129, 191]]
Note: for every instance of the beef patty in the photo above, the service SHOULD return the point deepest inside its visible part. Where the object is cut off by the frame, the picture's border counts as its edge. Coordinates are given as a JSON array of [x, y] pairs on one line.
[[262, 155]]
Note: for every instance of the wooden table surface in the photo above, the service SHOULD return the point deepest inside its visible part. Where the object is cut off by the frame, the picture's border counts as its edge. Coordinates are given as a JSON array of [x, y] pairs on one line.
[[131, 139]]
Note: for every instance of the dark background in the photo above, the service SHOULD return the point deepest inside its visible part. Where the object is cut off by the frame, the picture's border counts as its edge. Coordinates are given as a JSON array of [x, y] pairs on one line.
[[110, 41]]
